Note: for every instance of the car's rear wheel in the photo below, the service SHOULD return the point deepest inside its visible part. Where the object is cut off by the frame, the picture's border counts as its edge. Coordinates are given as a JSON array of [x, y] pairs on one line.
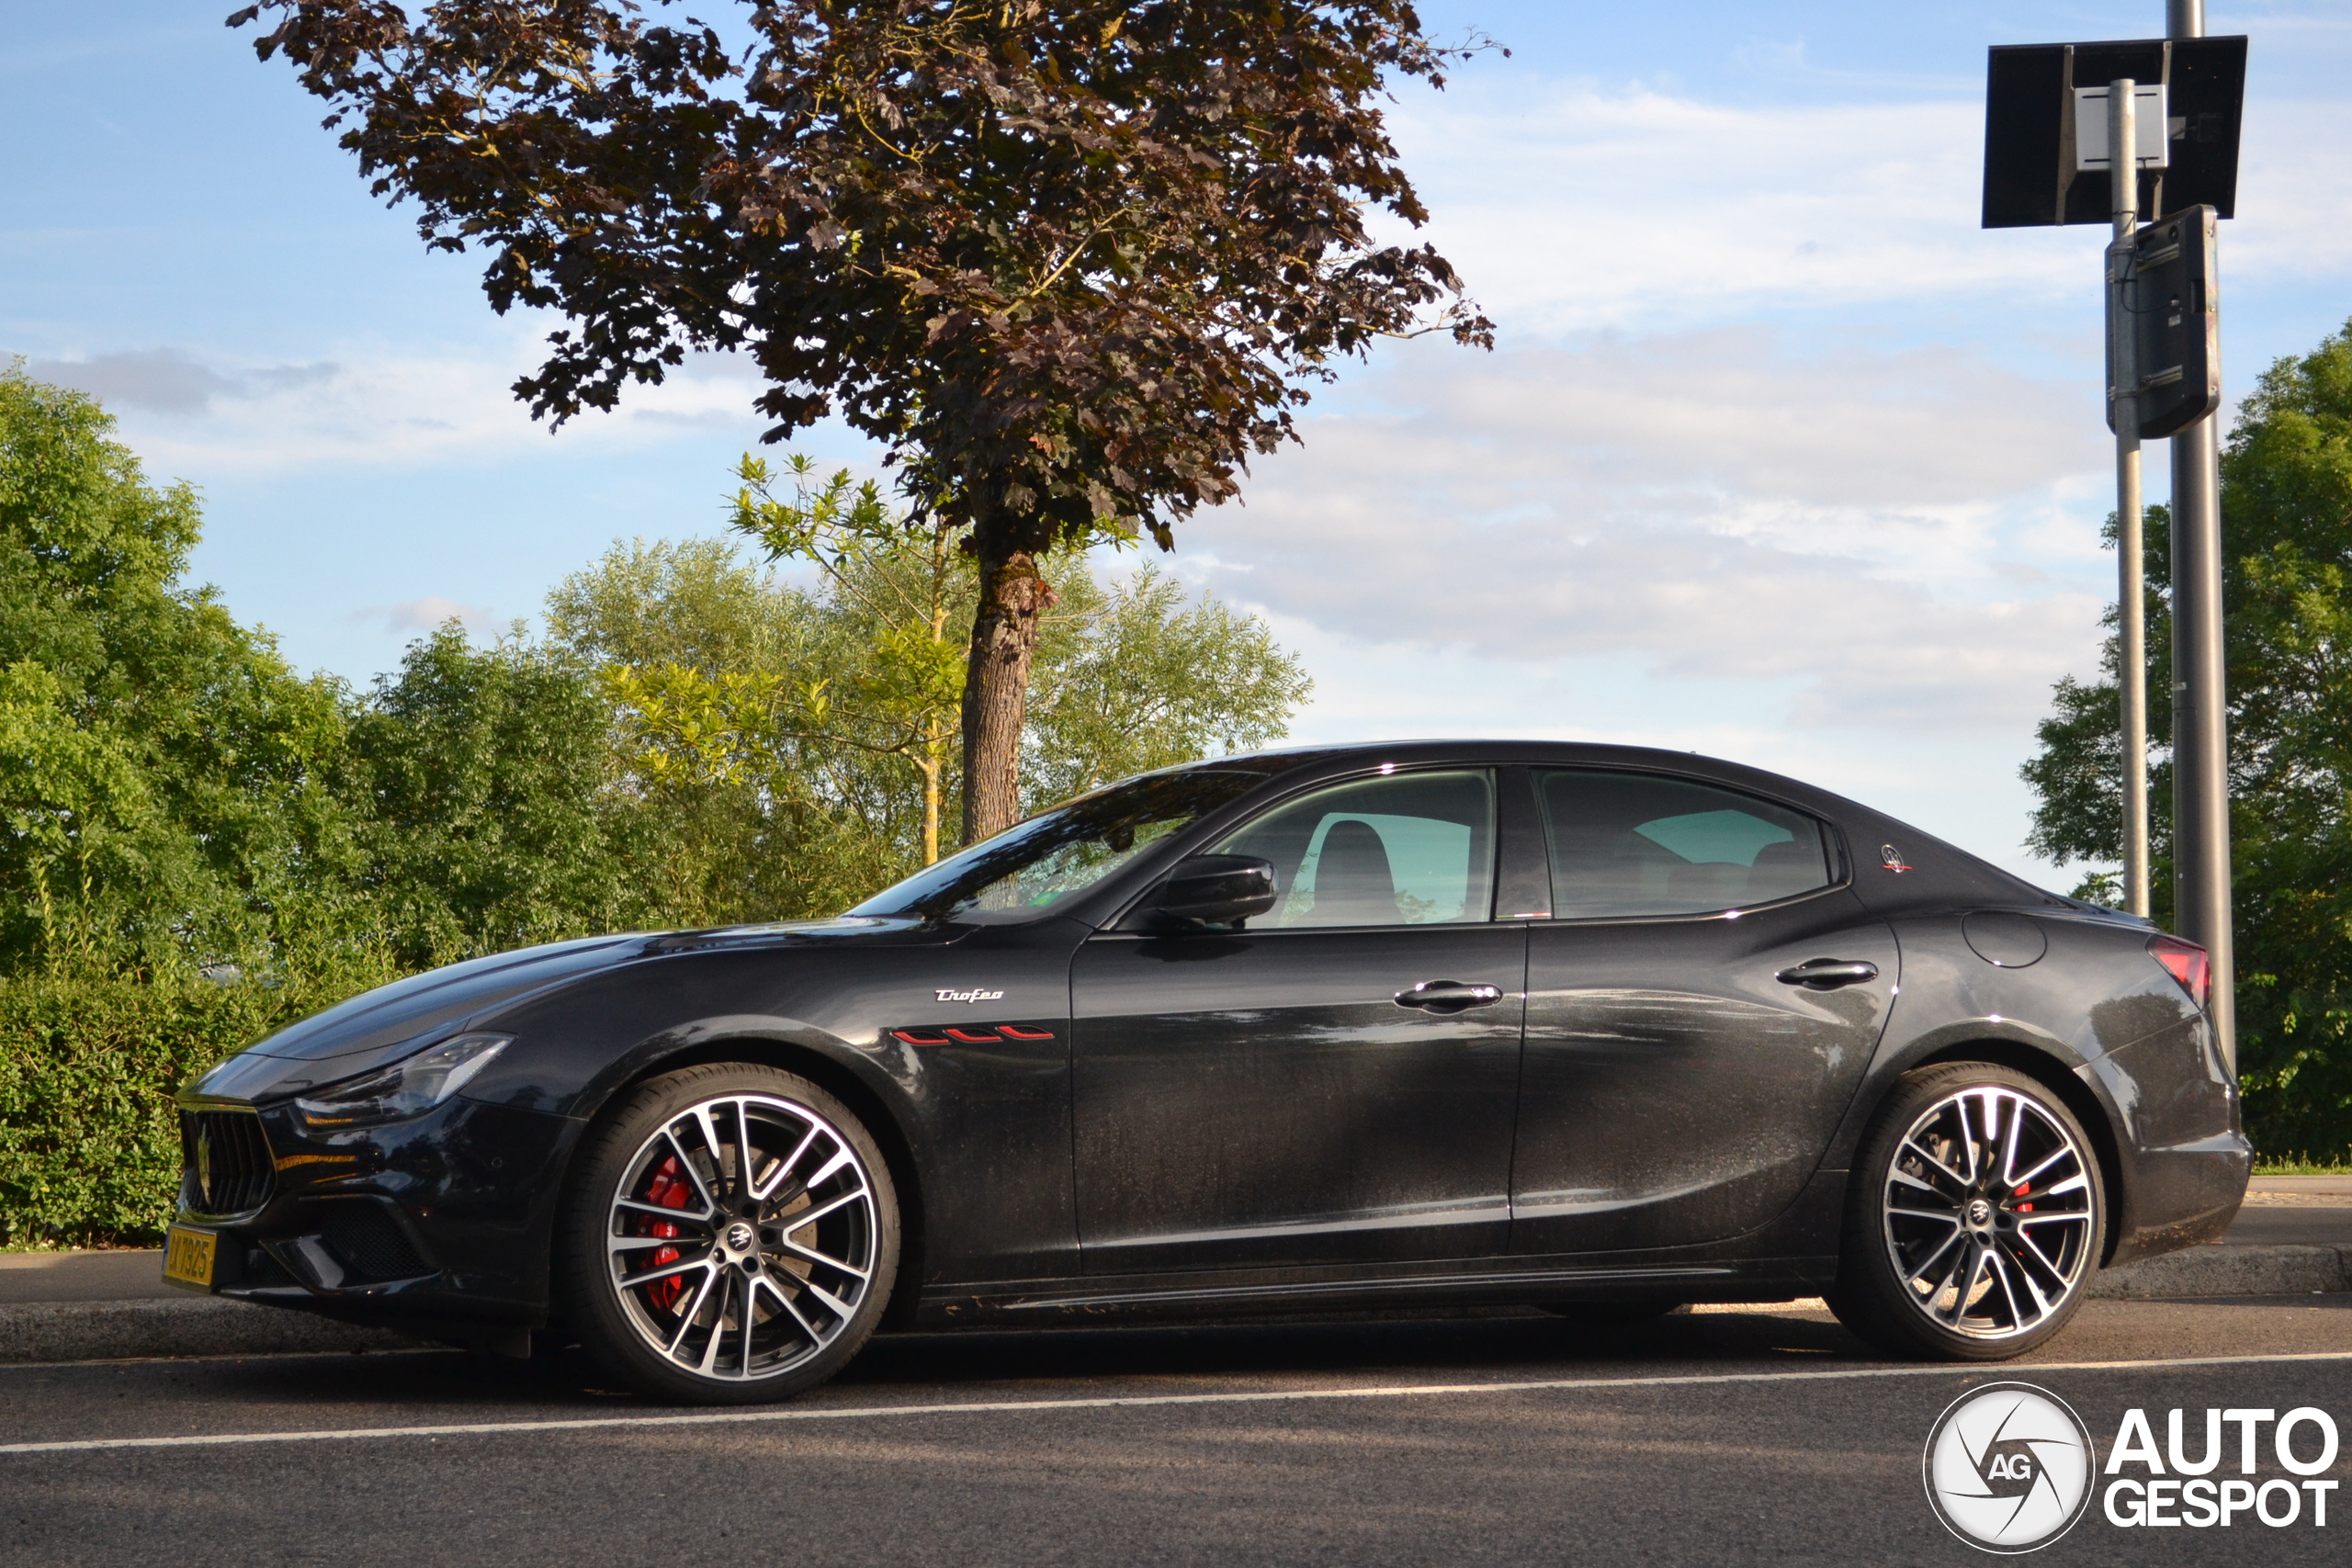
[[1975, 1217], [731, 1235]]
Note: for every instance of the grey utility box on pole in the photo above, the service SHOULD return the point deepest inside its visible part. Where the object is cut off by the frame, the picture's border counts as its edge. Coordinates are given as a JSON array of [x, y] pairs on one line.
[[2063, 123], [2171, 309]]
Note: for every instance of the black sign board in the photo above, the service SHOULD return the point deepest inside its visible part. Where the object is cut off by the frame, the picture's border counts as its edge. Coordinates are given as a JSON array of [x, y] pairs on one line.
[[2029, 173], [2170, 297]]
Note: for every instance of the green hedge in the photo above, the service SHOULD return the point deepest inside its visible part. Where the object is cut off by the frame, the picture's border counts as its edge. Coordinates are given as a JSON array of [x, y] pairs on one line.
[[89, 1139]]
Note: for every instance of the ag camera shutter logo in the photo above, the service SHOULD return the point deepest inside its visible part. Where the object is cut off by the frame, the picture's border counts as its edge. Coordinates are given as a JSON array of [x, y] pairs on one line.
[[2008, 1468]]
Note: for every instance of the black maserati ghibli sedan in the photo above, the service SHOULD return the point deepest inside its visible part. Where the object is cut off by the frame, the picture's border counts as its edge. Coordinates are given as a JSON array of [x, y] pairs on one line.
[[1589, 1028]]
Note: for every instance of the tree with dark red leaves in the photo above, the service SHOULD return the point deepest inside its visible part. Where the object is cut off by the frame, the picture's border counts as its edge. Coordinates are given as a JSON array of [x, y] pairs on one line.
[[1071, 263]]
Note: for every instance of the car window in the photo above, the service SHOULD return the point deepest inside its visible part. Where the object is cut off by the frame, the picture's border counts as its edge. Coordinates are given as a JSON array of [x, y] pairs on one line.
[[1026, 869], [1412, 849], [1627, 844]]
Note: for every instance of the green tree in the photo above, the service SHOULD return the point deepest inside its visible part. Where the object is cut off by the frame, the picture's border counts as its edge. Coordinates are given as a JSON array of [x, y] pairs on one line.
[[2287, 549], [166, 782], [2077, 774], [1071, 262], [1138, 676], [900, 585], [1125, 680], [480, 774], [705, 663]]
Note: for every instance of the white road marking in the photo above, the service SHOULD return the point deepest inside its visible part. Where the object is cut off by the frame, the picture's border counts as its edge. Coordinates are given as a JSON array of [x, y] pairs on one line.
[[1136, 1401]]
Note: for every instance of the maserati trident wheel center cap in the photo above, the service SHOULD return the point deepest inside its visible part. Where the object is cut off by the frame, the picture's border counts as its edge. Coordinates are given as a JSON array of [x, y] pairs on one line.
[[1980, 1213], [740, 1238]]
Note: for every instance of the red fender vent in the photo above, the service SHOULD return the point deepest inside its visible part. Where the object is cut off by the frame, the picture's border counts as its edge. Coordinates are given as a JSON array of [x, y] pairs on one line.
[[980, 1035]]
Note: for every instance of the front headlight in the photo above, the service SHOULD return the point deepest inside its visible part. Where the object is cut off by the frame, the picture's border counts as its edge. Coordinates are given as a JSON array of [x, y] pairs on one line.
[[406, 1089]]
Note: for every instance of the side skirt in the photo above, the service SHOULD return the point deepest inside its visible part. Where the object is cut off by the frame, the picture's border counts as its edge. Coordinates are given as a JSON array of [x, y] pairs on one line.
[[1045, 1303]]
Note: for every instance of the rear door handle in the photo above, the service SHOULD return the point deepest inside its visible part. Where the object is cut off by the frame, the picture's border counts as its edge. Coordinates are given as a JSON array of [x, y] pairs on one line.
[[1449, 996], [1828, 973]]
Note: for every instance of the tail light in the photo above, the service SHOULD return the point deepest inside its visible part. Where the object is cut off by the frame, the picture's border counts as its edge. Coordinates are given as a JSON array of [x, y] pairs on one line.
[[2185, 962]]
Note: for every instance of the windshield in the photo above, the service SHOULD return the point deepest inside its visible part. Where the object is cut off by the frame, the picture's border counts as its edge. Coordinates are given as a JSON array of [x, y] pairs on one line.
[[1026, 869]]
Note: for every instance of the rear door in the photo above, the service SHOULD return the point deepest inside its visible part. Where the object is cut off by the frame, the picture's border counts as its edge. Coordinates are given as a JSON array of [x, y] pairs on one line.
[[1701, 1008], [1333, 1085]]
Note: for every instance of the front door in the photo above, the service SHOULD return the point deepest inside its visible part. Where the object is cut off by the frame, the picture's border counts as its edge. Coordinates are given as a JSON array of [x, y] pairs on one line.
[[1333, 1085], [1700, 1009]]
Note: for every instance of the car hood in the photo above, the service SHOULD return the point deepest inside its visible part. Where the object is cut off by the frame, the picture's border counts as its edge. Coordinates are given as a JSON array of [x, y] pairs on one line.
[[390, 1022]]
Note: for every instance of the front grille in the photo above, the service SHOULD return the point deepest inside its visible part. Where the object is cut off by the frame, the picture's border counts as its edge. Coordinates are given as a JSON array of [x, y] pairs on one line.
[[367, 1238], [230, 1170]]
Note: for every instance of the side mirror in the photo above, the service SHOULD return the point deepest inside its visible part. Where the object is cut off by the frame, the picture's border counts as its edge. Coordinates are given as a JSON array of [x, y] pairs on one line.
[[1214, 890]]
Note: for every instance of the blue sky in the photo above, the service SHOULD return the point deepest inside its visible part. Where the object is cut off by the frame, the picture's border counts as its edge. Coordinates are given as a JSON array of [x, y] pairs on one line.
[[1778, 457]]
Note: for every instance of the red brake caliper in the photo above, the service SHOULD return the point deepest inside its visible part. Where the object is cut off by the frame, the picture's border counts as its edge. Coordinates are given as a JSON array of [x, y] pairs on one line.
[[671, 1189]]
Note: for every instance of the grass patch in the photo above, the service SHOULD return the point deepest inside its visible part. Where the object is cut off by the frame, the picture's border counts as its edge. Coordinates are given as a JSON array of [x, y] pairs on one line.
[[2337, 1164]]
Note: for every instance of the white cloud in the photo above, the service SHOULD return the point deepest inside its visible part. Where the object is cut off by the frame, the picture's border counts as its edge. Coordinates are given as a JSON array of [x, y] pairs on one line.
[[1842, 536], [1568, 206], [172, 380], [431, 613], [370, 406], [1959, 784], [2294, 186]]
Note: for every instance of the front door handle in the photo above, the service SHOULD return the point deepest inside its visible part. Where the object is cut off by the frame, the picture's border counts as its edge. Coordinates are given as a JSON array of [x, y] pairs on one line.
[[1449, 996], [1828, 973]]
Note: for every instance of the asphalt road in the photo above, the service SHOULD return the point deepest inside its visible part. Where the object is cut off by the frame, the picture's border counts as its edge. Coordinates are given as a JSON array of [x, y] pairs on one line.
[[1757, 1436], [114, 1276], [2302, 1226]]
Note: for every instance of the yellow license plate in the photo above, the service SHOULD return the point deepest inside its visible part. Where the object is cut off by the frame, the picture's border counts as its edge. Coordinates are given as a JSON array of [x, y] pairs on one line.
[[188, 1257]]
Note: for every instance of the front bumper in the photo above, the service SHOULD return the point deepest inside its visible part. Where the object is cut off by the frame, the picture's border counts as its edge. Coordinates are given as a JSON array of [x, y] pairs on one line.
[[441, 1220]]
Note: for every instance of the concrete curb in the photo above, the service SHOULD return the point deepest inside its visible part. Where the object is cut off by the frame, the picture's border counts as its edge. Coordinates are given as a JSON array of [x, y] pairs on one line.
[[210, 1325], [201, 1325], [2229, 1271]]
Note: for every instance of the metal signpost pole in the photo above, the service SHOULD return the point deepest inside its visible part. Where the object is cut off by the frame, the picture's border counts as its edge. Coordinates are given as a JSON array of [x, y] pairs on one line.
[[2124, 377], [2057, 116], [2200, 754]]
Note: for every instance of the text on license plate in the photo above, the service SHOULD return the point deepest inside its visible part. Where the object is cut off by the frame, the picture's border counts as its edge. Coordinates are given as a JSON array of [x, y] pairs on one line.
[[188, 1257]]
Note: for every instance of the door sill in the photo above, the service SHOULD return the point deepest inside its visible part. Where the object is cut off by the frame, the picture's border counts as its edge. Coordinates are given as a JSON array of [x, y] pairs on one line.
[[1514, 1287]]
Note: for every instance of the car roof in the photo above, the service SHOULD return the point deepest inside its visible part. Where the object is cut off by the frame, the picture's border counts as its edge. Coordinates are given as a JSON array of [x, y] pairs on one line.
[[1311, 761]]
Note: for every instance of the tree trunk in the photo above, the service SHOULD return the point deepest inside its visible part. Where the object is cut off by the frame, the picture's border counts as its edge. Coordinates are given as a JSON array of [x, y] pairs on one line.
[[928, 762], [996, 688], [935, 733]]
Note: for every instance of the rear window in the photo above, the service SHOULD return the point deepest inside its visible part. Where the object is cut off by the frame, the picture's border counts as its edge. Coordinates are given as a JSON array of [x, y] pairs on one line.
[[1629, 844]]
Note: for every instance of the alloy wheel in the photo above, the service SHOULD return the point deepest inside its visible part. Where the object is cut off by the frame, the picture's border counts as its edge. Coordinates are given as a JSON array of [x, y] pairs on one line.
[[742, 1236], [1988, 1214]]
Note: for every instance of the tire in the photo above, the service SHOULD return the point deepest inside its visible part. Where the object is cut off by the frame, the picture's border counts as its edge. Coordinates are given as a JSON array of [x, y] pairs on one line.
[[1975, 1217], [1612, 1315], [660, 1303]]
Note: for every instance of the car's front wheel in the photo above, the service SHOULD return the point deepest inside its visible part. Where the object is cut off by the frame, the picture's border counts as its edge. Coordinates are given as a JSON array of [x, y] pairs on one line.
[[729, 1235], [1975, 1217]]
